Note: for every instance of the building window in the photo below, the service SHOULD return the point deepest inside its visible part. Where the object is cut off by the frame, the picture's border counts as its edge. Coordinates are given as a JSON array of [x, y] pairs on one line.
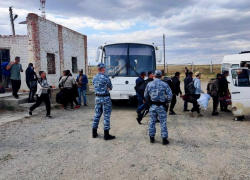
[[74, 65], [51, 64]]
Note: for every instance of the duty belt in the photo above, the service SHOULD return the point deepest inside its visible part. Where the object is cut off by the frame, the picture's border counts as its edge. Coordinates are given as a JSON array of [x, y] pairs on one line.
[[158, 103], [102, 95]]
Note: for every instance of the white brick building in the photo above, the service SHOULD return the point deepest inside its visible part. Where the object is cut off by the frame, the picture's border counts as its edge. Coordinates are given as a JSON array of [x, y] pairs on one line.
[[49, 46]]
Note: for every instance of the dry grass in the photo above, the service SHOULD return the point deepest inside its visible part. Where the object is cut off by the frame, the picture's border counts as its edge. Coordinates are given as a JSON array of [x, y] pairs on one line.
[[204, 69]]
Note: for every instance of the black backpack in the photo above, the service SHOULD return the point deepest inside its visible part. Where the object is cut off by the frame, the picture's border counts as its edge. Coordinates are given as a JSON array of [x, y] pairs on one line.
[[142, 86], [138, 85], [169, 81], [190, 88]]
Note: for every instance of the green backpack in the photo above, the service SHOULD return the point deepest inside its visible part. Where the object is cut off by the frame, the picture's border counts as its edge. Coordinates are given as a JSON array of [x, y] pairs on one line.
[[213, 87]]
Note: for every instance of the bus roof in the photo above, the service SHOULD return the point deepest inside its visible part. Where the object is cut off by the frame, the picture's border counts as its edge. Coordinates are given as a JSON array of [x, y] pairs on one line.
[[236, 58], [150, 44]]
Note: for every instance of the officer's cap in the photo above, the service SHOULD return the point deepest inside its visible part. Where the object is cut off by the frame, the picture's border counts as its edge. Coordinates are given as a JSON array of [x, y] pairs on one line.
[[158, 73], [101, 65]]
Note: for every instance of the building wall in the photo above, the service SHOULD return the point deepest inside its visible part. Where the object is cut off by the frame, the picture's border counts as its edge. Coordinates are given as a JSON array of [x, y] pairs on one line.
[[58, 40], [18, 46], [73, 46], [44, 36], [48, 35]]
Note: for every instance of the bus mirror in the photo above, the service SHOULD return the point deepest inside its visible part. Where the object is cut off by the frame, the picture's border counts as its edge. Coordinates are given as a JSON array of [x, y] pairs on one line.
[[98, 53], [159, 55], [157, 48]]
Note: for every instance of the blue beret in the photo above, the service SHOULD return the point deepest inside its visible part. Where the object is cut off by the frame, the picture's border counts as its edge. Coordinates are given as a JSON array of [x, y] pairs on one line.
[[158, 73], [101, 65]]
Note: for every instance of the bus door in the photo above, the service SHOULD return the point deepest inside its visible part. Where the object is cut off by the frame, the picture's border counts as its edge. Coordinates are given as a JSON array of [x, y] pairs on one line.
[[240, 87]]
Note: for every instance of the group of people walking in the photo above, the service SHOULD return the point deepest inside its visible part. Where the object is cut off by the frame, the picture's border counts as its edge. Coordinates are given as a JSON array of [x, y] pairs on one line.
[[70, 88], [153, 94], [217, 88]]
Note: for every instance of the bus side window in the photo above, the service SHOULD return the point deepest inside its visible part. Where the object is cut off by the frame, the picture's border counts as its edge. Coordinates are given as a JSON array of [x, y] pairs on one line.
[[235, 65], [240, 77]]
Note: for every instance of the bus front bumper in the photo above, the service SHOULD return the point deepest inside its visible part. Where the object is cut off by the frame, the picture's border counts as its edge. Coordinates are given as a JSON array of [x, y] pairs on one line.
[[122, 94]]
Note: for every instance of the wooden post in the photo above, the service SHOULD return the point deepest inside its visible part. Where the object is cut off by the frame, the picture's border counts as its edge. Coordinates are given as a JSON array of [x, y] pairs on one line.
[[166, 68], [211, 67], [164, 51]]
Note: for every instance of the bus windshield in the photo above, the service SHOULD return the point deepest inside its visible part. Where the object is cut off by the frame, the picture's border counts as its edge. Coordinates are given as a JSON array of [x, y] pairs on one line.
[[129, 59]]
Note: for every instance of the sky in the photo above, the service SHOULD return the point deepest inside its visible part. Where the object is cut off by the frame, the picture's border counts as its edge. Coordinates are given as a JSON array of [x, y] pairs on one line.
[[198, 31]]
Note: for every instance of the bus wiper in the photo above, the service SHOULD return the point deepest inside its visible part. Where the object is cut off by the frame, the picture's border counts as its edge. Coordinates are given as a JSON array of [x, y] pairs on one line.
[[118, 72], [134, 70]]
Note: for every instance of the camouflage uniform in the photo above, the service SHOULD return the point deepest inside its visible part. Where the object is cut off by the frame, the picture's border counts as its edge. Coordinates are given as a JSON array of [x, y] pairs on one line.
[[101, 84], [158, 91]]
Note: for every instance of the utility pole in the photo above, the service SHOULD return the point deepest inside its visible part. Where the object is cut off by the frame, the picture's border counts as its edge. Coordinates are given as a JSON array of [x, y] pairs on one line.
[[164, 53], [43, 9], [12, 21]]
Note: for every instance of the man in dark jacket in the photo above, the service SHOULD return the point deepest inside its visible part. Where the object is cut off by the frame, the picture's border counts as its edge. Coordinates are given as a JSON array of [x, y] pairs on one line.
[[186, 71], [82, 81], [31, 82], [187, 81], [175, 91], [213, 90], [138, 82], [223, 87], [141, 90]]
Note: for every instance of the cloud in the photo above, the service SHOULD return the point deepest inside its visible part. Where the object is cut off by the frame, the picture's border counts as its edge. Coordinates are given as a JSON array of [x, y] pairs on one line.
[[196, 30], [77, 23]]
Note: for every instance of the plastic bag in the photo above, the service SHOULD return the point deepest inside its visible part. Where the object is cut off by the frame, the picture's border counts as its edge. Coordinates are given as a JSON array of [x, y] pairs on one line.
[[203, 101]]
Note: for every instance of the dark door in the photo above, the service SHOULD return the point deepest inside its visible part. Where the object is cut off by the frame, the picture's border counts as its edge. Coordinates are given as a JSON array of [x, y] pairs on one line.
[[4, 57]]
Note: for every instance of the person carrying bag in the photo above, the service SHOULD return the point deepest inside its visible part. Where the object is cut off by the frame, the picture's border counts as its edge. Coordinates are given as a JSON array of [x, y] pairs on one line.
[[67, 82]]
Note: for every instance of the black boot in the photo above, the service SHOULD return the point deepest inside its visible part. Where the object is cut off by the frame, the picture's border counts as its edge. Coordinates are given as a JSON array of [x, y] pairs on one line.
[[165, 141], [94, 133], [139, 118], [215, 113], [107, 136], [152, 139]]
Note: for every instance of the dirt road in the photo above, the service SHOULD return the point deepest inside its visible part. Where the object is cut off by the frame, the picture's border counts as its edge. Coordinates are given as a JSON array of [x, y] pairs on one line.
[[62, 147]]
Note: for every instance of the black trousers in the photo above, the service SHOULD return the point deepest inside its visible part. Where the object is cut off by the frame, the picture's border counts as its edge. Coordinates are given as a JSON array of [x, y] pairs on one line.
[[33, 87], [16, 84], [28, 84], [196, 106], [43, 98], [173, 102], [75, 101], [68, 97], [215, 103]]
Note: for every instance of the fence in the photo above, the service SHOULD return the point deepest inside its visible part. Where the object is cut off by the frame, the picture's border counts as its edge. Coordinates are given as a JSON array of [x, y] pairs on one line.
[[205, 68], [172, 68]]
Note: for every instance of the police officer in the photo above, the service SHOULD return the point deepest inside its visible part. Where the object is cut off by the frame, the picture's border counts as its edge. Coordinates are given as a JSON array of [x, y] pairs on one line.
[[158, 94], [102, 86]]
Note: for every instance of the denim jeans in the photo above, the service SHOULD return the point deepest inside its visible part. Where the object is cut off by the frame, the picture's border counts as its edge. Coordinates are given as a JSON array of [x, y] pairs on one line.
[[140, 99], [82, 92], [142, 107]]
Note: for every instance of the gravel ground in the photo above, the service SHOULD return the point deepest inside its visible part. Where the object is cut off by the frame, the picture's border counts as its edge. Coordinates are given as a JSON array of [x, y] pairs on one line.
[[62, 147]]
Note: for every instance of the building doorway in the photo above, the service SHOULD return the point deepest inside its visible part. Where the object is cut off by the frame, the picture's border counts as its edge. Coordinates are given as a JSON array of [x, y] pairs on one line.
[[4, 57]]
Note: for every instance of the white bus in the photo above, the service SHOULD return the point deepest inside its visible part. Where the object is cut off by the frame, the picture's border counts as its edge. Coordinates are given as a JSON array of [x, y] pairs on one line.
[[124, 63], [236, 60], [238, 66]]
